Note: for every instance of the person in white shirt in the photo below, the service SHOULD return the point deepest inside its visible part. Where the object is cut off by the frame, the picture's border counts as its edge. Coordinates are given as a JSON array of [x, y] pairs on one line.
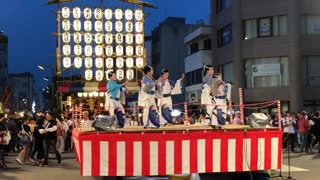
[[86, 123], [288, 131]]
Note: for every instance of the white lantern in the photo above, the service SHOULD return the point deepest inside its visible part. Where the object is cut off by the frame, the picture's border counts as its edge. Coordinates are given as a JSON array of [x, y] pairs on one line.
[[129, 38], [139, 38], [118, 14], [98, 26], [65, 12], [119, 25], [87, 25], [96, 94], [119, 38], [109, 50], [139, 62], [88, 38], [129, 62], [78, 62], [66, 25], [98, 13], [88, 62], [139, 50], [85, 94], [77, 25], [98, 38], [119, 50], [119, 62], [90, 94], [120, 74], [76, 12], [88, 50], [138, 14], [80, 94], [101, 94], [108, 26], [77, 37], [99, 63], [66, 62], [109, 63], [77, 50], [129, 51], [139, 27], [129, 27], [88, 75], [128, 14], [109, 38], [87, 13], [66, 50], [99, 75], [66, 37], [108, 14], [130, 74], [107, 74], [98, 50]]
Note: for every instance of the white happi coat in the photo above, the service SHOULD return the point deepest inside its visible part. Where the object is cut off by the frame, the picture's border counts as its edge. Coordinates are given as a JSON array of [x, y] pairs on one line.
[[167, 89]]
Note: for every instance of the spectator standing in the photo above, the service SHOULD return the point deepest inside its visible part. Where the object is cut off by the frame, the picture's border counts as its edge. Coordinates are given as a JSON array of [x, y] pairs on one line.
[[3, 133], [288, 131], [26, 138], [303, 127]]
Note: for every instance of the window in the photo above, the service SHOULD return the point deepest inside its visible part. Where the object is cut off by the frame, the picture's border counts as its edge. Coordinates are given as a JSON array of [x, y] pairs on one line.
[[222, 4], [312, 70], [194, 77], [265, 27], [194, 48], [224, 36], [207, 44], [227, 72], [267, 72], [311, 25]]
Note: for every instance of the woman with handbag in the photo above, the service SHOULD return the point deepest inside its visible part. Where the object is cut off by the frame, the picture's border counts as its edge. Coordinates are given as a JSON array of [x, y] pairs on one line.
[[26, 138]]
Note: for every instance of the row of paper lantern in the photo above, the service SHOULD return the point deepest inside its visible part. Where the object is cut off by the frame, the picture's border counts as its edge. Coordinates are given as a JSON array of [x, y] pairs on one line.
[[98, 26], [98, 38], [98, 13], [99, 74], [99, 62], [92, 94], [99, 50]]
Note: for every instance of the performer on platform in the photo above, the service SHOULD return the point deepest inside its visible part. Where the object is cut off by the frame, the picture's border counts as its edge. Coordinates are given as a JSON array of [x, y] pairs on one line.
[[114, 105], [147, 99], [210, 89], [166, 88]]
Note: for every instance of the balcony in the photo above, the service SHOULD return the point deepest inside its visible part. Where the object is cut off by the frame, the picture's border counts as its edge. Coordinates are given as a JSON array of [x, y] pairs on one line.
[[197, 60]]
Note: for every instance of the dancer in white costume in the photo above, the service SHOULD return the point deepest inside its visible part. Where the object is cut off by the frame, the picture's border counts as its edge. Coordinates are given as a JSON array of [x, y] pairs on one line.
[[114, 96], [210, 89], [147, 99], [223, 96], [166, 88]]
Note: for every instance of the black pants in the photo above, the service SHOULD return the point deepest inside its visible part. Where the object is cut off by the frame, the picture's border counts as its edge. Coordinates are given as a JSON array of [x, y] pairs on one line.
[[38, 148], [2, 150], [288, 139], [51, 144]]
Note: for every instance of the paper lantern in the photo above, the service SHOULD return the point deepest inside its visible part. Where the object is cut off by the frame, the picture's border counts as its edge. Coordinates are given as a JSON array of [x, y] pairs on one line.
[[107, 72], [109, 50], [99, 63], [120, 74], [67, 62], [77, 38], [87, 25], [139, 50], [80, 94], [98, 26], [87, 12], [119, 26], [128, 14], [90, 94], [139, 62], [129, 26], [108, 26], [66, 37], [119, 38], [108, 14], [99, 75], [119, 50], [98, 37], [129, 38], [129, 51], [88, 75], [99, 50], [139, 38], [66, 25], [119, 62], [130, 74], [77, 25], [109, 63], [129, 62], [88, 38], [77, 50], [118, 14], [78, 62], [88, 62], [98, 13], [139, 27], [101, 94], [138, 14], [88, 50], [66, 49], [85, 94], [109, 38], [76, 12], [65, 12]]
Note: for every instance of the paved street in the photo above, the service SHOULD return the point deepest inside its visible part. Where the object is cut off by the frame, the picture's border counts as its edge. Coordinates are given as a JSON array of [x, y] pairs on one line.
[[303, 167]]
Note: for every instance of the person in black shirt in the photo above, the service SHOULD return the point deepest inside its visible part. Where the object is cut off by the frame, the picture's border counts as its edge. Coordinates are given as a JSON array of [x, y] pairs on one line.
[[50, 139], [3, 131], [25, 141], [38, 144]]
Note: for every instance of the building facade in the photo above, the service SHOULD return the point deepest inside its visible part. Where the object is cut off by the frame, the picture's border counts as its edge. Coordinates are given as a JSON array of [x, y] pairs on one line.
[[3, 62], [199, 54], [169, 49], [270, 49], [21, 86]]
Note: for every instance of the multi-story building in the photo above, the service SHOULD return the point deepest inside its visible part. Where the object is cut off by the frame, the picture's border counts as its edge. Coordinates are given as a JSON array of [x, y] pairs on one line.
[[3, 62], [21, 86], [169, 49], [270, 49], [199, 54]]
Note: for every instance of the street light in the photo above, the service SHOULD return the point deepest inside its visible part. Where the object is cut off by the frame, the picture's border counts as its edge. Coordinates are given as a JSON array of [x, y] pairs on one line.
[[41, 67], [52, 67], [46, 79]]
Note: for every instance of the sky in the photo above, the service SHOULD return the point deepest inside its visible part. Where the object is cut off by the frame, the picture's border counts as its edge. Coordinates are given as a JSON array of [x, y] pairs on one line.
[[29, 26]]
